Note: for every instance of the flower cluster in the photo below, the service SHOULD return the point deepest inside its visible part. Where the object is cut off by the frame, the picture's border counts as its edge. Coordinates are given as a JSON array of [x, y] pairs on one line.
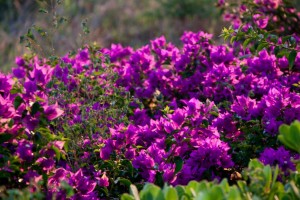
[[88, 125]]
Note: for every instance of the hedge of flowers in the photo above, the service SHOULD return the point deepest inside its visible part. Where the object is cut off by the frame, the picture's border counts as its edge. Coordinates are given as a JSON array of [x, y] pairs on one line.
[[90, 124]]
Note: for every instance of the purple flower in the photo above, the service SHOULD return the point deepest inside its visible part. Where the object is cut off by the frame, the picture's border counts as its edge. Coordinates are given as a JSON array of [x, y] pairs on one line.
[[19, 61], [47, 164], [130, 153], [82, 183], [219, 55], [24, 150], [83, 55], [178, 117], [260, 21], [7, 111], [104, 181], [140, 117], [30, 123], [30, 87], [271, 4], [107, 149], [212, 152], [280, 157], [32, 175], [19, 72], [52, 111], [60, 174], [244, 107], [145, 163]]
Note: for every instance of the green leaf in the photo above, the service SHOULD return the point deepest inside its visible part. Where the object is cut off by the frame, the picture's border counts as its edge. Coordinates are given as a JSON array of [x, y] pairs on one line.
[[285, 38], [22, 39], [125, 181], [5, 137], [192, 188], [134, 192], [215, 193], [128, 165], [45, 133], [242, 186], [261, 46], [295, 189], [43, 10], [295, 135], [291, 58], [180, 190], [282, 52], [273, 38], [151, 192], [57, 152], [69, 189], [127, 197], [246, 42], [290, 135], [170, 193], [224, 185], [234, 193], [276, 171], [268, 176], [179, 163], [292, 41], [35, 108], [276, 51], [254, 163], [18, 101], [11, 123], [159, 179], [62, 20], [233, 39]]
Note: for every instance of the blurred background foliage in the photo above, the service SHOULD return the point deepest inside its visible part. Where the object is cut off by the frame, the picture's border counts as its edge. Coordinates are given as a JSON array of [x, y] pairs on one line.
[[129, 22]]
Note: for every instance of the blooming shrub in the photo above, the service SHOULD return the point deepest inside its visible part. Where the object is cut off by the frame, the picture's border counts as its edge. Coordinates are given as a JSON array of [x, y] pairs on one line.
[[88, 125]]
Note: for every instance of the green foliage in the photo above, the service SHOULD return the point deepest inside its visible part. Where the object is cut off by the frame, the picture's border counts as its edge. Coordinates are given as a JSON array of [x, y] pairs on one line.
[[260, 182], [290, 135], [258, 39], [24, 194]]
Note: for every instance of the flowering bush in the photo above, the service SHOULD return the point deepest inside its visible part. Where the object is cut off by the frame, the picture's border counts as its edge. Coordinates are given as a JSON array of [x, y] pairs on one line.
[[88, 125]]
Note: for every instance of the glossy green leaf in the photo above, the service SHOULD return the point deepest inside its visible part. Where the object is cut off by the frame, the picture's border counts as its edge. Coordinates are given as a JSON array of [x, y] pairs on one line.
[[151, 192], [170, 193], [268, 176], [179, 163], [291, 58], [254, 163], [295, 135], [233, 39], [125, 181], [35, 108], [234, 194], [127, 197], [261, 46], [192, 188], [285, 38], [276, 50], [18, 101], [4, 137], [57, 152], [180, 191], [69, 189], [273, 38], [134, 192], [43, 10], [246, 42], [290, 135]]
